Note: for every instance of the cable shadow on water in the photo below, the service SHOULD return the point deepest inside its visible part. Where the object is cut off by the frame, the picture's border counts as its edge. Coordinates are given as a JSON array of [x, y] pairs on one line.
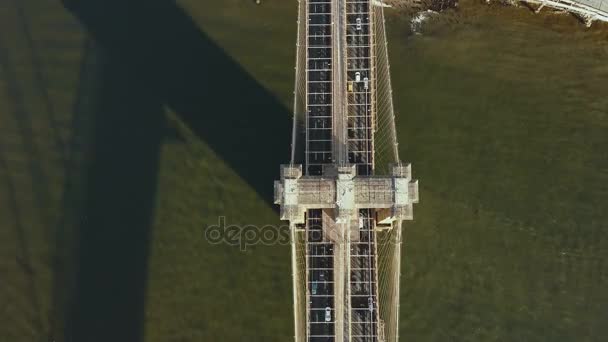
[[41, 82], [31, 169], [154, 57]]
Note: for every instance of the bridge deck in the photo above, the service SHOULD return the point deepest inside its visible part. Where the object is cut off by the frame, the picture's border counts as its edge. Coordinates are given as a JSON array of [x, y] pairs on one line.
[[360, 76], [319, 123], [320, 282], [325, 76]]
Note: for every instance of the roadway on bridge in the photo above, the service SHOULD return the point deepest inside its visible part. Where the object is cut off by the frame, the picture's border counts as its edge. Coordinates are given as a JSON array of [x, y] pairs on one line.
[[355, 121]]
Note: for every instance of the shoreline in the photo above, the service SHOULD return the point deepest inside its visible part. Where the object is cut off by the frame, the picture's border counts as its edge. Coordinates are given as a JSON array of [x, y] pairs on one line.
[[464, 10]]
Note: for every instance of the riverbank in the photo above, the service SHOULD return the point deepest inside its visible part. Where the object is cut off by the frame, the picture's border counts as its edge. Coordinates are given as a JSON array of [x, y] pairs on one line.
[[467, 10]]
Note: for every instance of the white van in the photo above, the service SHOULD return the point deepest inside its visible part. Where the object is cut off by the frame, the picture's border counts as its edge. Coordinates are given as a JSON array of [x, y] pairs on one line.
[[328, 314], [359, 25]]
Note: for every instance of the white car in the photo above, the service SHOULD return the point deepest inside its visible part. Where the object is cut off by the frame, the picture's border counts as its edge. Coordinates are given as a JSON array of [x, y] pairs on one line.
[[328, 314], [366, 83], [357, 76], [359, 26]]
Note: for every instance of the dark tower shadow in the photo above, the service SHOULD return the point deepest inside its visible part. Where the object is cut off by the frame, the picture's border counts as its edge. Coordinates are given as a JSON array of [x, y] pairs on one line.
[[154, 56], [118, 211], [224, 105]]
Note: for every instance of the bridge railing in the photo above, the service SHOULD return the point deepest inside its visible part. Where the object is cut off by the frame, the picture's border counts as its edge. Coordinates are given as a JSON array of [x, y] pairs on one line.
[[601, 5], [589, 10]]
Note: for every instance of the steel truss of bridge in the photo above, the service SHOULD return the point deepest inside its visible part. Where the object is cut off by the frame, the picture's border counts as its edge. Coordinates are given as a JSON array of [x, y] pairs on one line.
[[345, 191]]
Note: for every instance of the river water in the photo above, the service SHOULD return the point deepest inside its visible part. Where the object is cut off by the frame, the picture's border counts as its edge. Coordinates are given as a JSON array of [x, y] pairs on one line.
[[504, 115]]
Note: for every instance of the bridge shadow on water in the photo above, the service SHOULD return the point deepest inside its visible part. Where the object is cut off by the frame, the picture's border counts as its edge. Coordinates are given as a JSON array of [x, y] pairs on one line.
[[154, 56]]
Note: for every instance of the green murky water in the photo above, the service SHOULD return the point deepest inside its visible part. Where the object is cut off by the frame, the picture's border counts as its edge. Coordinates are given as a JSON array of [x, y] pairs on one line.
[[503, 113]]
